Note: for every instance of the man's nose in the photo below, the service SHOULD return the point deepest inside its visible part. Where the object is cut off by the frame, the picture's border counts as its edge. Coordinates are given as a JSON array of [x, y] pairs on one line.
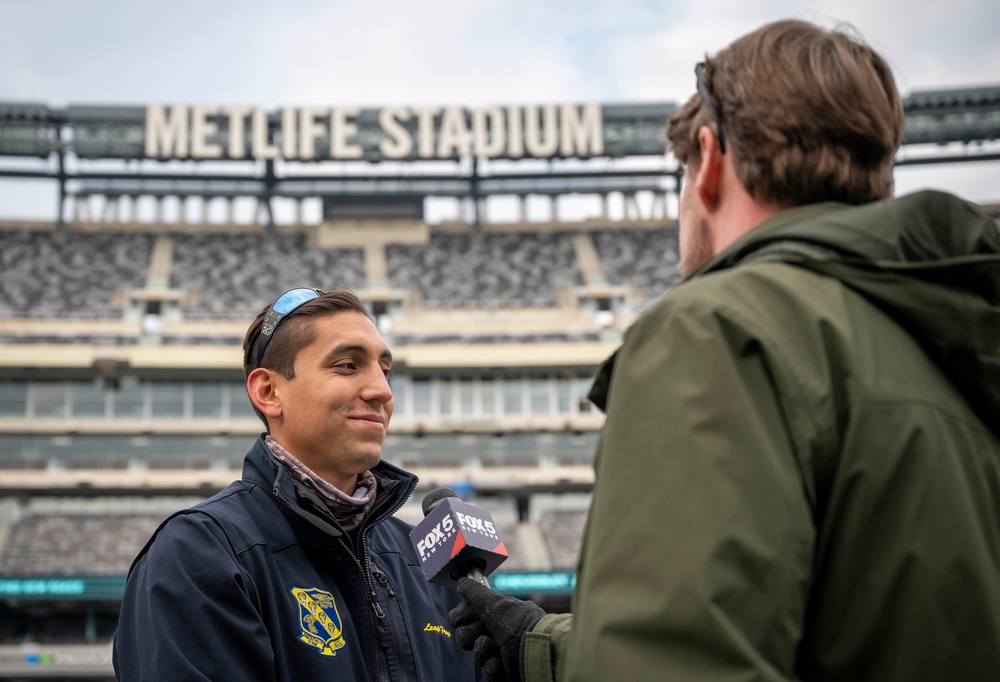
[[377, 386]]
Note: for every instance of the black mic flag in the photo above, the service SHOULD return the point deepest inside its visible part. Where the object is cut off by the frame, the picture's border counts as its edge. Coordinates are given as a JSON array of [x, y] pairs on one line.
[[456, 539]]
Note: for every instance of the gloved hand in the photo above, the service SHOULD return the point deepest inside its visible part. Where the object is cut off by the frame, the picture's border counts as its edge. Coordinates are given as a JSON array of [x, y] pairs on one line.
[[492, 626]]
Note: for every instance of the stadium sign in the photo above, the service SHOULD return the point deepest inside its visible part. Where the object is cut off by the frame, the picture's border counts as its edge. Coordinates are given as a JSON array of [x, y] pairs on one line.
[[343, 134], [421, 133], [316, 134]]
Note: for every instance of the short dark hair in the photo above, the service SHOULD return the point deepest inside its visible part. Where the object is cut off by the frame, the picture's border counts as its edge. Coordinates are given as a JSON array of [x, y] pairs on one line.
[[809, 115], [295, 333]]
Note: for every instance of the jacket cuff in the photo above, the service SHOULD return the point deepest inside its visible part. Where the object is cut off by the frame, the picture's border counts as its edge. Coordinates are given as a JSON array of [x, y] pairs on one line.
[[545, 647]]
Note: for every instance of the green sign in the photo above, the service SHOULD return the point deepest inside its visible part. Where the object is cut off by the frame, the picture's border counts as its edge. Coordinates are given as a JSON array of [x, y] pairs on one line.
[[68, 587], [560, 582]]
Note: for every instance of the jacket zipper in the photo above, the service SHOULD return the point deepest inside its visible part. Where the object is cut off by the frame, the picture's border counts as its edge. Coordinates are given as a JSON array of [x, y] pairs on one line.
[[384, 581], [364, 564], [366, 573]]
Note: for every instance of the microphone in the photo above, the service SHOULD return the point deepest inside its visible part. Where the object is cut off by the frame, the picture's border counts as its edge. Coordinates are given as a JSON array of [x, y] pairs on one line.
[[456, 539]]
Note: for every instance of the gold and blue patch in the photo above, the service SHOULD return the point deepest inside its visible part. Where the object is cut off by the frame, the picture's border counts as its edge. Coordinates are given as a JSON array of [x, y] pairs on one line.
[[320, 620]]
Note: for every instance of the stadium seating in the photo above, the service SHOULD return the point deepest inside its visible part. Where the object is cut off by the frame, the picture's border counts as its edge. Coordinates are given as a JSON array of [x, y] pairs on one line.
[[235, 275], [45, 274], [489, 270], [646, 259], [71, 545]]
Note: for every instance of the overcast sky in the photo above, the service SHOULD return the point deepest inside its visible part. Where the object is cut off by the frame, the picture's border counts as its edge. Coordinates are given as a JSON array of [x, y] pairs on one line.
[[461, 52]]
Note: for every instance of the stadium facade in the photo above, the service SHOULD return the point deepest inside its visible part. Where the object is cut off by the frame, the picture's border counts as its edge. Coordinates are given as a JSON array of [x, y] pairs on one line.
[[503, 252]]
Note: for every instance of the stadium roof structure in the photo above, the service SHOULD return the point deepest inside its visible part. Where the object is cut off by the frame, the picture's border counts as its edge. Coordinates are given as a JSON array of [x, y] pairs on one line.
[[399, 154], [968, 116]]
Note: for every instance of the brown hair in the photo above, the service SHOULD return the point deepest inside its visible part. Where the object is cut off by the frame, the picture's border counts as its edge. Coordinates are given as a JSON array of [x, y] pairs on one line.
[[296, 331], [808, 114]]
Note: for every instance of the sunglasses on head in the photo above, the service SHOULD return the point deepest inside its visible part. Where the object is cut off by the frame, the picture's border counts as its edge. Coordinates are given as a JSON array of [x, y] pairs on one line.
[[699, 72], [282, 307]]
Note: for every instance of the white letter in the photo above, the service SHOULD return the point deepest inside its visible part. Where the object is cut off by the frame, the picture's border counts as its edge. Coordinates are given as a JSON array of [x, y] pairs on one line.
[[582, 137], [401, 143], [259, 146], [454, 136], [309, 130], [201, 129], [425, 131], [166, 137], [515, 140], [237, 131], [340, 130], [288, 145], [541, 141], [488, 122]]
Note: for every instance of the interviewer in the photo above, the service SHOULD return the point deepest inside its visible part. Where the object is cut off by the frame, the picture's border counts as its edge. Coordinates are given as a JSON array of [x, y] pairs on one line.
[[799, 475]]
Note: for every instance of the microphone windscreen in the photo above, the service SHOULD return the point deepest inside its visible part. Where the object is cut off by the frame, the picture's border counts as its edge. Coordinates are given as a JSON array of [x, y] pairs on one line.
[[434, 497], [456, 538]]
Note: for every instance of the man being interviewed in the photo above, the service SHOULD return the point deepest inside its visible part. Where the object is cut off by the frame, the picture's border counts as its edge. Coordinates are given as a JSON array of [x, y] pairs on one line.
[[299, 571], [799, 475]]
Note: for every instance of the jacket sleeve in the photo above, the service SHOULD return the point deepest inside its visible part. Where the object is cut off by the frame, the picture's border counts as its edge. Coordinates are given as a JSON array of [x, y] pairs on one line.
[[189, 611], [696, 559], [545, 648]]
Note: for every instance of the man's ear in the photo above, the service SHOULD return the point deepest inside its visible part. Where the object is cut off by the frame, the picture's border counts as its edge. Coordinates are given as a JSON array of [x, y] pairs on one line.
[[708, 179], [261, 387]]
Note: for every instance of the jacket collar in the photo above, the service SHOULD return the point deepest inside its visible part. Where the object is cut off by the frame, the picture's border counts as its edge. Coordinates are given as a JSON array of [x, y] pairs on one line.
[[395, 486], [911, 257]]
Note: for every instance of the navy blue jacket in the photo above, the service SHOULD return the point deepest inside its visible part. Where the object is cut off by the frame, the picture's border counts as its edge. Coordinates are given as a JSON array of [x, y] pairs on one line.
[[259, 583]]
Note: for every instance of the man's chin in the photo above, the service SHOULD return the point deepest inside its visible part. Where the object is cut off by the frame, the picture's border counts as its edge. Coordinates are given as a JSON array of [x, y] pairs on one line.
[[368, 459]]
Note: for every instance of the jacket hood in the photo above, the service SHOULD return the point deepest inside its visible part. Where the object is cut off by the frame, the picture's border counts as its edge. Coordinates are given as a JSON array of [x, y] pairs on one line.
[[929, 260]]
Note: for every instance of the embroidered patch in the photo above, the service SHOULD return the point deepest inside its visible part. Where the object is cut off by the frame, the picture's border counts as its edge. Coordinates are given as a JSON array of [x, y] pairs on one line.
[[320, 620], [437, 628]]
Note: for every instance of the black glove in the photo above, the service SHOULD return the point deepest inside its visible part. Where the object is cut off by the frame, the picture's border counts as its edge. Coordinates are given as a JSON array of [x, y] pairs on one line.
[[492, 626]]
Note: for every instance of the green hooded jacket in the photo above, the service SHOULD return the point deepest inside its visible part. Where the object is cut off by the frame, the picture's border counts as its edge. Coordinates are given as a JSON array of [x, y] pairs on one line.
[[799, 475]]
